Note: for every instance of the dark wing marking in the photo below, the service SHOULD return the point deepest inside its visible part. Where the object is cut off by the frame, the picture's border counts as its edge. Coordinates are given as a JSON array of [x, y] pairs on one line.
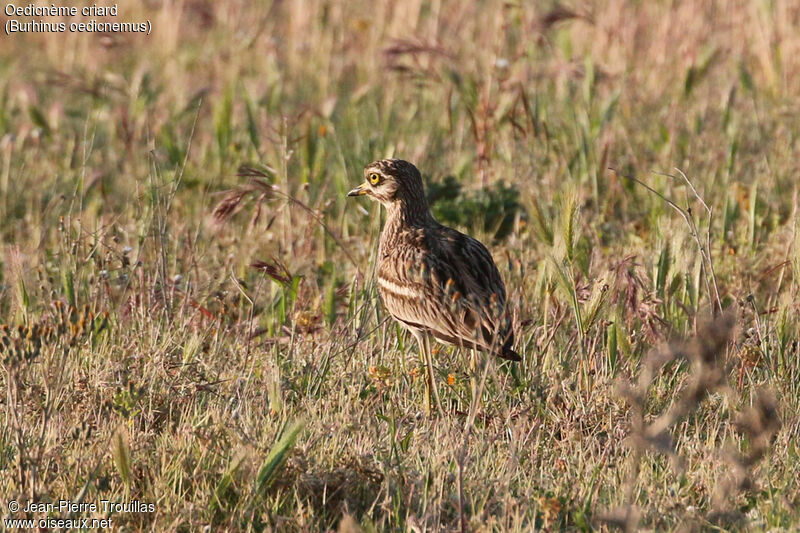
[[446, 282]]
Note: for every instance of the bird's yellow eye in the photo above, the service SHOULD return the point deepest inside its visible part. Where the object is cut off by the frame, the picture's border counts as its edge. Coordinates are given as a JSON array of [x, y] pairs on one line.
[[374, 178]]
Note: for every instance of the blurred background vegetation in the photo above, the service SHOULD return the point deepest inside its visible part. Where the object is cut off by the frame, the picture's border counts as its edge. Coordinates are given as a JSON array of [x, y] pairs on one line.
[[633, 167]]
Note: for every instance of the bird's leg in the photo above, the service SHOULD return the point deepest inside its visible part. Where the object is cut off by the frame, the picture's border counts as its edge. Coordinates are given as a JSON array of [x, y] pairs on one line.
[[431, 377], [423, 355], [473, 370], [473, 361], [428, 383]]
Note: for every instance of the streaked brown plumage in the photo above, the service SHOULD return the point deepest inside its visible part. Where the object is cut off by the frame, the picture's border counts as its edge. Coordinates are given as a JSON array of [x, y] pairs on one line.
[[433, 279]]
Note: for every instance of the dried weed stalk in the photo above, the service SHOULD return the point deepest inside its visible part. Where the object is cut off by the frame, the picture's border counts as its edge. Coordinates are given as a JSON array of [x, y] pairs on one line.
[[704, 243], [758, 424], [706, 354]]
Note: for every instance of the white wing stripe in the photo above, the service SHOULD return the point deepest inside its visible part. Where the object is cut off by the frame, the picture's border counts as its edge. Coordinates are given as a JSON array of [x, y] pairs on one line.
[[398, 290]]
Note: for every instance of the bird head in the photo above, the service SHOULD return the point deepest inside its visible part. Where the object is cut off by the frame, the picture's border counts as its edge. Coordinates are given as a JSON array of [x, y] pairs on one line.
[[392, 182]]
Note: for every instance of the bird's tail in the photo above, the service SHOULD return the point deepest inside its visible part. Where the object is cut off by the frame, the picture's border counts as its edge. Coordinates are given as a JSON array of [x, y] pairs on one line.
[[507, 353], [510, 355]]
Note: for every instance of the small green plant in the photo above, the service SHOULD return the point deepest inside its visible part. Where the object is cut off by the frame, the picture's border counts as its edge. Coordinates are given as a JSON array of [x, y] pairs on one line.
[[492, 209]]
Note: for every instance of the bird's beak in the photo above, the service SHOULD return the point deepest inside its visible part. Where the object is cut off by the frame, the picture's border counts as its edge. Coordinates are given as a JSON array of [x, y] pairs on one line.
[[359, 191]]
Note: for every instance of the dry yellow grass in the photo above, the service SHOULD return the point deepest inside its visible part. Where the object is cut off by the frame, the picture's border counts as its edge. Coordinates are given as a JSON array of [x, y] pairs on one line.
[[190, 184]]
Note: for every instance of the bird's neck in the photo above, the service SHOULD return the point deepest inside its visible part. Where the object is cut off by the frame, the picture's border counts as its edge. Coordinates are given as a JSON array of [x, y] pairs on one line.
[[403, 213], [400, 216]]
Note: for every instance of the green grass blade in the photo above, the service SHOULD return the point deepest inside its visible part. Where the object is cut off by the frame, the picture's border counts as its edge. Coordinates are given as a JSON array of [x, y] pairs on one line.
[[275, 459]]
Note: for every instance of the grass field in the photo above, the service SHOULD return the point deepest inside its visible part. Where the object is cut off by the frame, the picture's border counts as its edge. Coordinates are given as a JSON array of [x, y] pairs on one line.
[[191, 313]]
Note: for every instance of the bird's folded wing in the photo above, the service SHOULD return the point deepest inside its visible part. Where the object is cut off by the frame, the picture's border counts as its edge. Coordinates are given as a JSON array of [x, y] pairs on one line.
[[450, 287]]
